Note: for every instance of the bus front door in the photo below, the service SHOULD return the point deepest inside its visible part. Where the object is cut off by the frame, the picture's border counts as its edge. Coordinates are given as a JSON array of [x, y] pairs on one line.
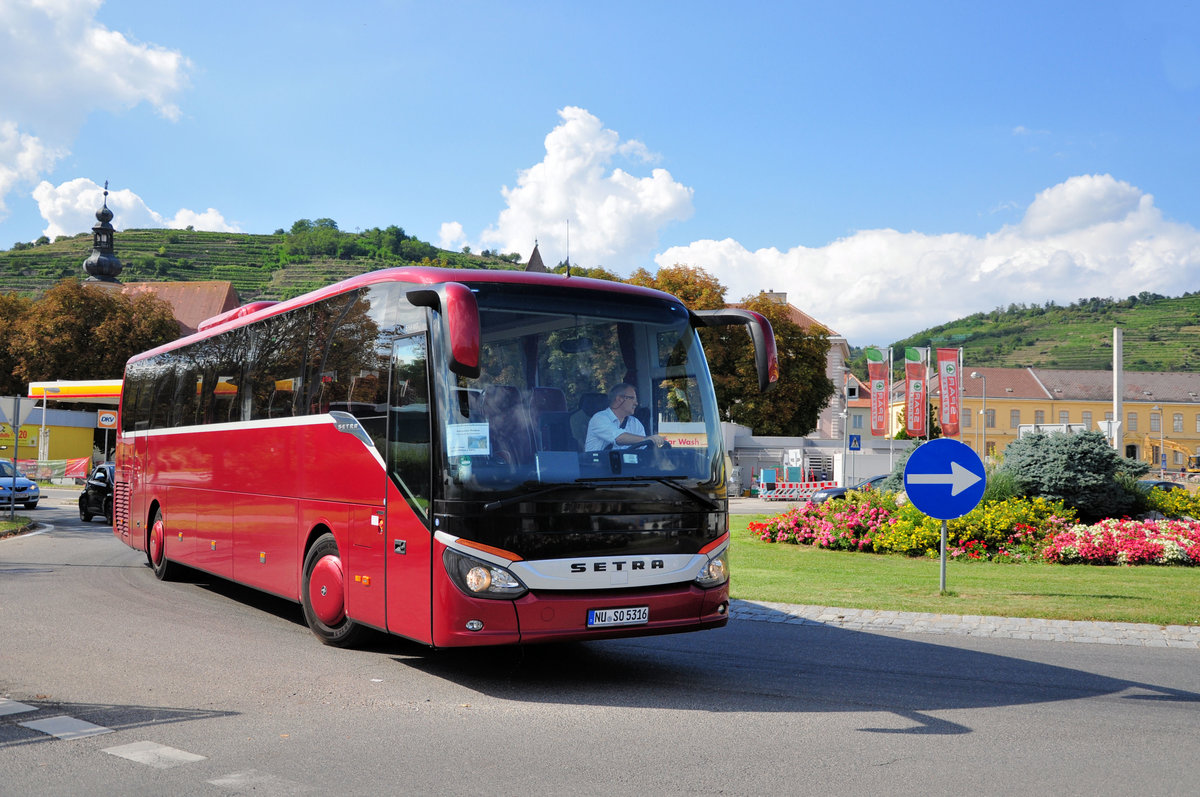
[[408, 541]]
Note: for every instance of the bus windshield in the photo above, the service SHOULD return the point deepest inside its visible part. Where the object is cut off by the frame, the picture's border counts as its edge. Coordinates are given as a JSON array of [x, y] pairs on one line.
[[550, 364]]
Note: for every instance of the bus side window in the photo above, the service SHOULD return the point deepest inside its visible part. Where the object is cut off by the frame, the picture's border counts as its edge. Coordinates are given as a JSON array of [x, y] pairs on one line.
[[162, 402], [275, 370], [408, 453]]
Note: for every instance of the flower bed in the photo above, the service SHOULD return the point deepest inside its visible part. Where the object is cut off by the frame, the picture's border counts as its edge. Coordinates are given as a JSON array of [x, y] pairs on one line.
[[1127, 542], [1016, 530]]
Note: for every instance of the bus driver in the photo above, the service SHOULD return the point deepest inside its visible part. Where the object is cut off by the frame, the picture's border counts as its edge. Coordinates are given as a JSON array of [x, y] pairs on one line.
[[616, 426]]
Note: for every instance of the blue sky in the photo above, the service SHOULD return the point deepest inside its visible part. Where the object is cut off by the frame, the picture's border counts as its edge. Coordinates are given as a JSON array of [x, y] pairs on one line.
[[891, 166]]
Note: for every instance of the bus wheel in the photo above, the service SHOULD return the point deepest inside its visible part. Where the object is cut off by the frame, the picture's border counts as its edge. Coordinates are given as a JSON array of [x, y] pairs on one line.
[[156, 548], [323, 595]]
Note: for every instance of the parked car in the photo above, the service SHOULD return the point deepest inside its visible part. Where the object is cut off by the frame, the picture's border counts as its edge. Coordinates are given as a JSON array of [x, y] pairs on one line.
[[24, 491], [837, 493], [97, 495], [1149, 484]]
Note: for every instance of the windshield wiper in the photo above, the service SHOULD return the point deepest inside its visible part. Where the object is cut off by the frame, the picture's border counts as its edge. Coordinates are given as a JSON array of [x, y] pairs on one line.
[[670, 481], [516, 499]]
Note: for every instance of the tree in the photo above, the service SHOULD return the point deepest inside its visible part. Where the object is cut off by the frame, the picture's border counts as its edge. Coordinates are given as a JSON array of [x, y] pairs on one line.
[[933, 428], [594, 272], [794, 405], [79, 331], [1082, 470], [693, 286], [12, 308]]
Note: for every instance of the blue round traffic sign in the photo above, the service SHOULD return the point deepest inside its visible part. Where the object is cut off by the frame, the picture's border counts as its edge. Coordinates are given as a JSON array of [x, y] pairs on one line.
[[944, 478]]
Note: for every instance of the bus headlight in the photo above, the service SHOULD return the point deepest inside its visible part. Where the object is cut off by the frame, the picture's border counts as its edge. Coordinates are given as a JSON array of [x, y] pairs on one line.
[[481, 579], [716, 572]]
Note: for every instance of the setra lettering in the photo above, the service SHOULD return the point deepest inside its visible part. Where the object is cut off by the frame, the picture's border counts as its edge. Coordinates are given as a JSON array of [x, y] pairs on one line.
[[619, 565]]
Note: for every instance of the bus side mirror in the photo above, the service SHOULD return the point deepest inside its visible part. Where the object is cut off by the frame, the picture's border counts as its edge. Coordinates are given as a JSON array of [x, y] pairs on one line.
[[766, 359], [459, 312]]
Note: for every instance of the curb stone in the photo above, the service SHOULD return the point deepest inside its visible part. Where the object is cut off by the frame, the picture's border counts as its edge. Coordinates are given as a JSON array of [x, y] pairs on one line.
[[1099, 633]]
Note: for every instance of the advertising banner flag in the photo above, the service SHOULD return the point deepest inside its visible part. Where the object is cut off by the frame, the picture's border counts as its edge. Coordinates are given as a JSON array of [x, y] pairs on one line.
[[877, 374], [950, 389], [915, 403]]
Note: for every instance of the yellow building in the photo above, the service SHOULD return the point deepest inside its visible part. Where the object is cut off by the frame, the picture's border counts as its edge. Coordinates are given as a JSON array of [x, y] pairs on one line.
[[1160, 410], [51, 432]]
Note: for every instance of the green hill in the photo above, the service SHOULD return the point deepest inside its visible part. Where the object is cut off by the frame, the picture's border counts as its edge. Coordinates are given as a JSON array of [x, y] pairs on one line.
[[277, 266], [1160, 334]]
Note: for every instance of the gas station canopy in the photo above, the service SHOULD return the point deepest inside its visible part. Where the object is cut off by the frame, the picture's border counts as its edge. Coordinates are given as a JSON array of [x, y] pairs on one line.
[[106, 392]]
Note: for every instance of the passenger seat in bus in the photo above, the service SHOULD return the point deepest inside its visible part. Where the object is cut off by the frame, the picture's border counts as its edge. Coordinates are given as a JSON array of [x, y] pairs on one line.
[[551, 422], [502, 408], [589, 405]]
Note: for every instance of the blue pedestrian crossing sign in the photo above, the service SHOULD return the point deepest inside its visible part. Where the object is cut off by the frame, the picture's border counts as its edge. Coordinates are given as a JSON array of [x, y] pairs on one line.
[[856, 442], [944, 478]]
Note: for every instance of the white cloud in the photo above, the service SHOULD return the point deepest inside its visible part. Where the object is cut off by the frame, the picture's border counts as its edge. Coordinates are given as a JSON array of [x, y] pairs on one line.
[[451, 236], [22, 158], [1079, 203], [70, 208], [613, 215], [1091, 235], [59, 65]]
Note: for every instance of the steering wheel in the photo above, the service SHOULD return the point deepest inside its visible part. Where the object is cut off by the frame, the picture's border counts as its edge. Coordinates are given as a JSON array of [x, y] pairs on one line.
[[647, 443]]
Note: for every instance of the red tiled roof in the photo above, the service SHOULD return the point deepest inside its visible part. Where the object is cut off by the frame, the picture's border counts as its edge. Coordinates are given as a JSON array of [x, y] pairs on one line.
[[191, 302], [800, 319]]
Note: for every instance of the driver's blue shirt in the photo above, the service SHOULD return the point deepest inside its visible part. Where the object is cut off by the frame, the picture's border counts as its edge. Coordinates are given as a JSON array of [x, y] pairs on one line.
[[604, 428]]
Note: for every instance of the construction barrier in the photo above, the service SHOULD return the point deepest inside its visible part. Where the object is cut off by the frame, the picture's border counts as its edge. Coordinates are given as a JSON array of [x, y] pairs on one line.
[[771, 490]]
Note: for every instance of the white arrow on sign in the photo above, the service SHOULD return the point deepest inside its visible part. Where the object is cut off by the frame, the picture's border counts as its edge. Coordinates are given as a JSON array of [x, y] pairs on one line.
[[959, 478]]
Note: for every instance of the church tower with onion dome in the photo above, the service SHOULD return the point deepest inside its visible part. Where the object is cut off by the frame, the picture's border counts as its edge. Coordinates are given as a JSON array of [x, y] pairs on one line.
[[102, 265]]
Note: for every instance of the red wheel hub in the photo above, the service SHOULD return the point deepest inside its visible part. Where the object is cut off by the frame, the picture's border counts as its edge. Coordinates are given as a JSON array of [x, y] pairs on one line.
[[327, 590], [157, 533]]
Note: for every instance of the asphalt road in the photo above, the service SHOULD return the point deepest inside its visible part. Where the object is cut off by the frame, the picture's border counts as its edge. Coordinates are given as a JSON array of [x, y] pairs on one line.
[[200, 687]]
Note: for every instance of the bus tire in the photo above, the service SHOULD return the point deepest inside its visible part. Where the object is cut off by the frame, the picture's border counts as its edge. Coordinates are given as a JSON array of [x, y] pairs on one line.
[[156, 548], [323, 595]]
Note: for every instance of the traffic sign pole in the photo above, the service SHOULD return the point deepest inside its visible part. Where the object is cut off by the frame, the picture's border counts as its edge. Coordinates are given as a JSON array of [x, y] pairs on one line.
[[943, 582], [944, 479]]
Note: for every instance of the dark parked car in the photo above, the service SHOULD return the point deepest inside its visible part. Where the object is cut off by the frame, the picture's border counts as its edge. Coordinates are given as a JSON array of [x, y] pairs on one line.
[[23, 491], [1150, 484], [97, 495], [836, 493]]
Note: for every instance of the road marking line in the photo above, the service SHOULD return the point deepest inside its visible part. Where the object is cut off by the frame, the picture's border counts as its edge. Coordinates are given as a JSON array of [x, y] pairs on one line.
[[13, 707], [154, 755], [66, 727], [253, 780]]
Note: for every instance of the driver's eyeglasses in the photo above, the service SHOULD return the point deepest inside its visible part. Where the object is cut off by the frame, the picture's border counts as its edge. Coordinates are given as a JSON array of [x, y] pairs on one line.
[[629, 398]]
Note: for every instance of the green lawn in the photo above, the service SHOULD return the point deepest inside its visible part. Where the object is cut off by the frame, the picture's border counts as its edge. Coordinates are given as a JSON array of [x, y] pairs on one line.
[[786, 573], [8, 527]]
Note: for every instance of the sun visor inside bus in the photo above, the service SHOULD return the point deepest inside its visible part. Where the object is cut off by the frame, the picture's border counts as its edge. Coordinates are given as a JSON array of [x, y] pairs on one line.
[[766, 359], [459, 315]]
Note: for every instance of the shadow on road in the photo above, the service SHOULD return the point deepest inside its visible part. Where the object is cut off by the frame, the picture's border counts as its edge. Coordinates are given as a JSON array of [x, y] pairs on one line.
[[116, 717], [755, 666]]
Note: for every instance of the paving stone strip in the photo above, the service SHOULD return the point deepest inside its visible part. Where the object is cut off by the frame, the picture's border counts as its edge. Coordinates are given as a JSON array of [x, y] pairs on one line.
[[1103, 633]]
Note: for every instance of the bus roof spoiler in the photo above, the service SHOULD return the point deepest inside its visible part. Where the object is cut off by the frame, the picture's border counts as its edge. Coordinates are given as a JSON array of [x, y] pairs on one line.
[[766, 358], [237, 312], [459, 313]]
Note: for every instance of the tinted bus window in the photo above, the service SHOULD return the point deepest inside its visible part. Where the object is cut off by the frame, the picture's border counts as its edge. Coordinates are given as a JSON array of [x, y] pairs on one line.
[[408, 457], [275, 373]]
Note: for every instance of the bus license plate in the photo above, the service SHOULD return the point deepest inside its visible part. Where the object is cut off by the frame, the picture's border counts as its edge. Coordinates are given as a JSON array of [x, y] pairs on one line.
[[635, 615]]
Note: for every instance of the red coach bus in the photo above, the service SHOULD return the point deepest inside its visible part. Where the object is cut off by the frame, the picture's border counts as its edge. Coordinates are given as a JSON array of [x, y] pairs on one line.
[[407, 451]]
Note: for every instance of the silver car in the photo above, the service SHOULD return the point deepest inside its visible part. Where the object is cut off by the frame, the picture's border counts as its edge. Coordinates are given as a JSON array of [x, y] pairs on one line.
[[24, 491]]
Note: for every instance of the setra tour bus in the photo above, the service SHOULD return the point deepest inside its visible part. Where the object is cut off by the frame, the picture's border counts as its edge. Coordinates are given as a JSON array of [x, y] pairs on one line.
[[408, 451]]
